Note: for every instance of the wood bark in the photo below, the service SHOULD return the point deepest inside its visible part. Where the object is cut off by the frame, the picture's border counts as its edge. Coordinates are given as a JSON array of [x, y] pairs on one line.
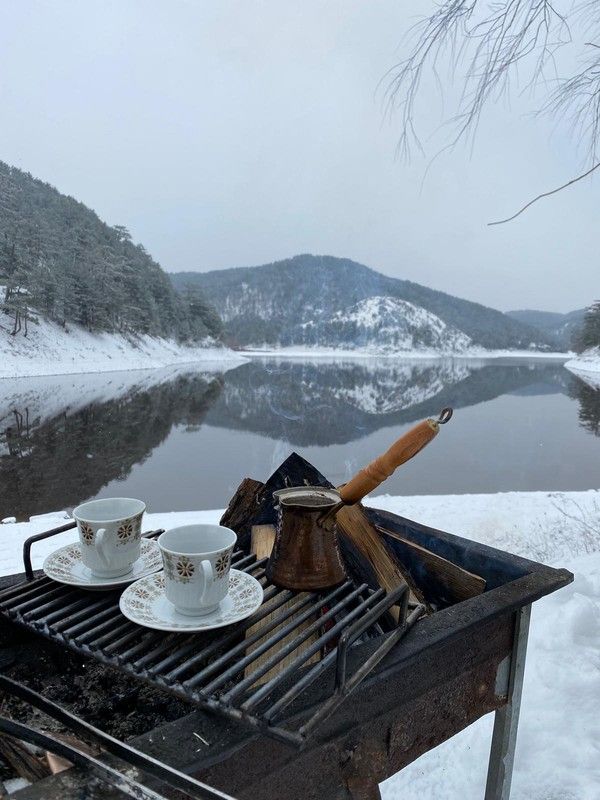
[[262, 540], [457, 583], [22, 761]]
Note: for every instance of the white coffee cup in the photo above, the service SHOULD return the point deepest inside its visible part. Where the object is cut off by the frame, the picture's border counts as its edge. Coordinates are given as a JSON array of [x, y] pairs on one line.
[[110, 534], [197, 560]]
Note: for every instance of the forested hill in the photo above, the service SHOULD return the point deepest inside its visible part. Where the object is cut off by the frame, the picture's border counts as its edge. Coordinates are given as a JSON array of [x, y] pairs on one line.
[[327, 301], [58, 260], [563, 327]]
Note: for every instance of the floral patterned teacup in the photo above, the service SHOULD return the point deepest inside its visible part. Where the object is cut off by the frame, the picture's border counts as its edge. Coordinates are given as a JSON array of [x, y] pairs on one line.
[[197, 559], [110, 532]]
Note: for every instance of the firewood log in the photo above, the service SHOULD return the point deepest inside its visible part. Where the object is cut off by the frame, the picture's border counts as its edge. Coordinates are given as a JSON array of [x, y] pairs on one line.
[[453, 583], [23, 762], [262, 540], [367, 556]]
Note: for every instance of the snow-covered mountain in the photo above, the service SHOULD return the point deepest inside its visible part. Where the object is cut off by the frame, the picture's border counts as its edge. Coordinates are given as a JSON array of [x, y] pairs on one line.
[[327, 302], [101, 301], [386, 324]]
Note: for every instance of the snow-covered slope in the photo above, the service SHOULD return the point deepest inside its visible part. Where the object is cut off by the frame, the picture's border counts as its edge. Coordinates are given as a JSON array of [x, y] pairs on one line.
[[388, 324], [49, 349], [587, 366]]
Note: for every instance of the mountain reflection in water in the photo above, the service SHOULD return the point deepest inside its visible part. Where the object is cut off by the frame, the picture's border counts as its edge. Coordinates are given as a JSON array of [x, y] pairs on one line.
[[185, 439]]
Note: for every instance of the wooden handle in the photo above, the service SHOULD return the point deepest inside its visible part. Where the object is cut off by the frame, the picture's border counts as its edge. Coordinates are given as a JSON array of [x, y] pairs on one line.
[[377, 471]]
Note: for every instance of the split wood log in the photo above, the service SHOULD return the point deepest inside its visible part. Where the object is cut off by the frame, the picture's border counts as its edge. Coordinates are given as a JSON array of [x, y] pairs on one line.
[[365, 552], [454, 583], [358, 534], [58, 764], [243, 508], [262, 540], [23, 762]]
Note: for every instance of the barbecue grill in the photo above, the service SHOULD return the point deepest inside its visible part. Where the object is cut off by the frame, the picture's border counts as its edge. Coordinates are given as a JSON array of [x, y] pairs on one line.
[[296, 735]]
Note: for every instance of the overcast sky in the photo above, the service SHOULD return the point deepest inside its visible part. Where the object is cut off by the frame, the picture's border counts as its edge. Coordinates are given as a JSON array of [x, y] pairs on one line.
[[237, 133]]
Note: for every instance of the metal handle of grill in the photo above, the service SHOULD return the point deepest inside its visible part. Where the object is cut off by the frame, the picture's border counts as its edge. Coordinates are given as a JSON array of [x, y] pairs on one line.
[[38, 538]]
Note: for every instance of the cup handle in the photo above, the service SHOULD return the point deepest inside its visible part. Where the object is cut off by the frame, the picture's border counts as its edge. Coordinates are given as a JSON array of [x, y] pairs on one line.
[[99, 540], [208, 579]]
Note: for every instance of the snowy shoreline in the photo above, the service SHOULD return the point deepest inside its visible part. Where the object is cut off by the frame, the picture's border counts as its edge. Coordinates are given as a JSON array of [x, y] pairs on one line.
[[416, 355], [48, 349], [562, 679], [587, 366]]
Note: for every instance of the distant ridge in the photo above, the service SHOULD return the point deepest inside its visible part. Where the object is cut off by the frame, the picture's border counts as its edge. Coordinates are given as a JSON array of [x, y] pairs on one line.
[[561, 327], [316, 301]]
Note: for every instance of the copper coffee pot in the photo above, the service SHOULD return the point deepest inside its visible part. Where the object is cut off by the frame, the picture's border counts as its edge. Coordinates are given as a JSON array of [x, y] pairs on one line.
[[306, 555]]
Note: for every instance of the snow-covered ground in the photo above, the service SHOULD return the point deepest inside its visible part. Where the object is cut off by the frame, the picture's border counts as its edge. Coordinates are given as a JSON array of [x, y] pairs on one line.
[[427, 355], [49, 349], [587, 366], [558, 749]]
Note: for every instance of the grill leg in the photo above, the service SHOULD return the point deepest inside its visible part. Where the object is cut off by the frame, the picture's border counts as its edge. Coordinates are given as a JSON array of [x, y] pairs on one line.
[[506, 721]]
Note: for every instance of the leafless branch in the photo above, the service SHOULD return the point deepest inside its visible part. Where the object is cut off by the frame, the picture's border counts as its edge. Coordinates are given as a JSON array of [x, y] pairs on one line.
[[547, 194], [578, 100], [491, 39]]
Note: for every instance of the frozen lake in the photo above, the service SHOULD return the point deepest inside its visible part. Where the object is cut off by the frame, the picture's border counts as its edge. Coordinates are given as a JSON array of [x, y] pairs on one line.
[[183, 438]]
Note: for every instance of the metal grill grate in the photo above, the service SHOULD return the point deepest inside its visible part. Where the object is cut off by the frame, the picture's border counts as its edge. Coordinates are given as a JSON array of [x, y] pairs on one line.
[[212, 669]]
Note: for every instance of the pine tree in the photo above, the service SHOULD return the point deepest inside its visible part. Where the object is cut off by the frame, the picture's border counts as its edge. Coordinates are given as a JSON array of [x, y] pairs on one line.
[[589, 335], [58, 259]]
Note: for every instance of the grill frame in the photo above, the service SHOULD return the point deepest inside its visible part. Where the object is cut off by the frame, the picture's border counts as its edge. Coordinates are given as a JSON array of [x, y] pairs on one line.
[[452, 668], [113, 774], [340, 617]]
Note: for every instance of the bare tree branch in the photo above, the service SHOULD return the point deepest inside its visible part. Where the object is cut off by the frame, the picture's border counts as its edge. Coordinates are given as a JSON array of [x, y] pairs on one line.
[[491, 42], [492, 39], [547, 194]]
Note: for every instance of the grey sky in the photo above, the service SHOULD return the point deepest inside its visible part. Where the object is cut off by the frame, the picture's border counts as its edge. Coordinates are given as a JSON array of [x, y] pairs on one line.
[[236, 133]]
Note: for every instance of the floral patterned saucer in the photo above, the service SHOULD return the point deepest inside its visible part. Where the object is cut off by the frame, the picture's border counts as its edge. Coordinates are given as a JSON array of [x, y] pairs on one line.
[[144, 602], [65, 566]]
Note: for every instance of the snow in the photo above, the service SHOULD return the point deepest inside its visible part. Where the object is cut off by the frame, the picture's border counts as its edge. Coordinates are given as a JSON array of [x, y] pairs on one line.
[[396, 323], [587, 366], [49, 349], [559, 732], [308, 352]]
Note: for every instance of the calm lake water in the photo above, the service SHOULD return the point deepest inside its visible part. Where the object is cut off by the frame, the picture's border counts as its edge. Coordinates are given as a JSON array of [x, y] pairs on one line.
[[185, 439]]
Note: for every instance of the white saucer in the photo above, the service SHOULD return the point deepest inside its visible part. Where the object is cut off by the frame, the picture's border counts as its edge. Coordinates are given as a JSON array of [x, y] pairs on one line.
[[145, 603], [65, 566]]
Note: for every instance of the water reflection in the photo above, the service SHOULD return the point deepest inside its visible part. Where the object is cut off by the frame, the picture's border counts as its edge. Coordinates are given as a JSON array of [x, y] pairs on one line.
[[324, 404], [63, 439], [588, 397], [55, 454]]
